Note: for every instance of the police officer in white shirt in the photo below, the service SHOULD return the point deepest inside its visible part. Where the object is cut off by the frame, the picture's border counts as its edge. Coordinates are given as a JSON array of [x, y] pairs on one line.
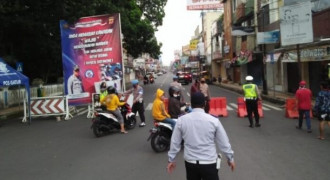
[[202, 135], [75, 85]]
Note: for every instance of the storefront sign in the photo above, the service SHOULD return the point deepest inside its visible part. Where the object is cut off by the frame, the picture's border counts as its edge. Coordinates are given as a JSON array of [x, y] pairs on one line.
[[315, 54], [270, 37], [203, 5]]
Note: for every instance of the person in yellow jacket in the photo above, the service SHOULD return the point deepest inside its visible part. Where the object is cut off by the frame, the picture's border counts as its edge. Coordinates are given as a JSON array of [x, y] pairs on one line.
[[112, 102], [158, 109]]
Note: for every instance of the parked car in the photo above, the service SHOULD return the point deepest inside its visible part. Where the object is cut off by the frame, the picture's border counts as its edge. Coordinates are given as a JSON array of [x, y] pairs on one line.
[[189, 76], [182, 77]]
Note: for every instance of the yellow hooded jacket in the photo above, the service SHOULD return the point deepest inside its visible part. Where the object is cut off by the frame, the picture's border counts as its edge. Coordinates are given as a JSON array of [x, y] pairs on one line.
[[158, 109], [112, 102]]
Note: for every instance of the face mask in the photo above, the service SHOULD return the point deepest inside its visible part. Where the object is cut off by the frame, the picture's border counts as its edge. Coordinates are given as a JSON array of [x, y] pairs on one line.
[[175, 95]]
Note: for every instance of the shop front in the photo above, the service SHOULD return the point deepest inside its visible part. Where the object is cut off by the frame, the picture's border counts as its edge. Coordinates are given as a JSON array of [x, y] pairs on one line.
[[314, 67]]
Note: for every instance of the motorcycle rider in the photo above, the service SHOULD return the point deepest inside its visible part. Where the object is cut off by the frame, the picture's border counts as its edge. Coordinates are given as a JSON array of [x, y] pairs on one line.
[[145, 79], [158, 109], [112, 102], [151, 78], [174, 104], [178, 85], [137, 100]]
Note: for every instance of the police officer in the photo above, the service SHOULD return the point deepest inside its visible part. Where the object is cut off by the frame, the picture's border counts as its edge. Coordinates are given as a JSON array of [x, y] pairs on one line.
[[75, 85], [138, 105], [251, 96]]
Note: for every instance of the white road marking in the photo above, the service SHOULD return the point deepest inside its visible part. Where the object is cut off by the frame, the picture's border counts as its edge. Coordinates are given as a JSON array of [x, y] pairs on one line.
[[229, 108], [273, 107], [149, 107], [233, 105], [264, 108]]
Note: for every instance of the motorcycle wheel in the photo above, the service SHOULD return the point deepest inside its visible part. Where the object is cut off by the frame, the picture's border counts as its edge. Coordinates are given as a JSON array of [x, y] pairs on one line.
[[98, 131], [158, 143], [131, 122]]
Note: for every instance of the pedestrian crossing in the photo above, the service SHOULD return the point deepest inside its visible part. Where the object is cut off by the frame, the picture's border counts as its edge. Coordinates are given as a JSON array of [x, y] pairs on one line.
[[233, 107]]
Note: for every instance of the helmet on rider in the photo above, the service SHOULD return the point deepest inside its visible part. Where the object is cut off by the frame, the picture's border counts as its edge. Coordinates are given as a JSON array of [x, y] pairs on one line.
[[172, 90], [135, 82], [111, 90]]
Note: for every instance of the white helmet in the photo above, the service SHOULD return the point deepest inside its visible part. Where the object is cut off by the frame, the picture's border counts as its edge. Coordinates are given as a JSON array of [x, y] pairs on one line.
[[249, 78]]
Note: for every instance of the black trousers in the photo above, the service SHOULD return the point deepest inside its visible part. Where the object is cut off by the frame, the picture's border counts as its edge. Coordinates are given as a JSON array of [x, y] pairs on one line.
[[201, 171], [207, 105], [252, 107], [139, 107]]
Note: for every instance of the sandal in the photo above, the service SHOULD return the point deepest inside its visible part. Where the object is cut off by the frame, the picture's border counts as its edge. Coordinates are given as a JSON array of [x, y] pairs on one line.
[[123, 132], [320, 138]]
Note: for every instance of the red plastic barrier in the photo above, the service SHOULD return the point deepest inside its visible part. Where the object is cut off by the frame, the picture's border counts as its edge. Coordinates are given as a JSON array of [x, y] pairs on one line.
[[241, 108], [291, 109], [260, 111], [218, 106]]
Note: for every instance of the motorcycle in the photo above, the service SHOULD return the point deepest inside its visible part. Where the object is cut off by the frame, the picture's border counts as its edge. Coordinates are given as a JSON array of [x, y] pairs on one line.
[[105, 122], [161, 133], [145, 81], [160, 136]]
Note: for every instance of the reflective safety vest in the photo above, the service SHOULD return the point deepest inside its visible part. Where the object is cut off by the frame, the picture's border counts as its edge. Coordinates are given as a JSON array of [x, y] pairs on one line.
[[250, 91], [103, 95]]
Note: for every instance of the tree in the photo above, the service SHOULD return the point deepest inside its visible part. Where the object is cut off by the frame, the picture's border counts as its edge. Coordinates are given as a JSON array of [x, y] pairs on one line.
[[30, 30]]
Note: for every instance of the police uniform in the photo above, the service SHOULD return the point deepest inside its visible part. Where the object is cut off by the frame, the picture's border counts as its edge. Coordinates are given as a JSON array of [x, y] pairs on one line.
[[251, 100]]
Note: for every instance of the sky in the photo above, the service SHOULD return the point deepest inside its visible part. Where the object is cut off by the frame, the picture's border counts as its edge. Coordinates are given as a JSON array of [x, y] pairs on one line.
[[178, 27]]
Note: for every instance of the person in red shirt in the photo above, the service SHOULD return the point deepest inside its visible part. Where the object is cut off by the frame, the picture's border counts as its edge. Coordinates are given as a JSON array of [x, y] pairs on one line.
[[304, 98]]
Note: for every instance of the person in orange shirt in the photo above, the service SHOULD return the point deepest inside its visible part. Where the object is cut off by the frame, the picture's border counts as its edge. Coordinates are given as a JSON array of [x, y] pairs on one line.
[[112, 102]]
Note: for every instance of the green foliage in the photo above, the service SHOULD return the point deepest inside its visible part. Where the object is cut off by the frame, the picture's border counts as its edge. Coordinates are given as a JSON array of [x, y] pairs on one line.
[[30, 30]]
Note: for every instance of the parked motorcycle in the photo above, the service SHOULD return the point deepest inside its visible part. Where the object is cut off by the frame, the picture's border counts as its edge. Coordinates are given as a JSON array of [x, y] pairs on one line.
[[105, 122]]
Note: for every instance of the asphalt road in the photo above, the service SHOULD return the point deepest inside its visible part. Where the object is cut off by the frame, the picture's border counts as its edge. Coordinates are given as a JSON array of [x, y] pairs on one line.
[[52, 150]]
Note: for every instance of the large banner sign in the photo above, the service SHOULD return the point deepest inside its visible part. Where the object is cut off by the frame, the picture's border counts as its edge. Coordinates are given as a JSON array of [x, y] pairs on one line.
[[91, 53], [296, 24], [204, 4]]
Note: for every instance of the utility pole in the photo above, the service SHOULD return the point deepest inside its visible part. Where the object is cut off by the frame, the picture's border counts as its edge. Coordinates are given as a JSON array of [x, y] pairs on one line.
[[263, 66]]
